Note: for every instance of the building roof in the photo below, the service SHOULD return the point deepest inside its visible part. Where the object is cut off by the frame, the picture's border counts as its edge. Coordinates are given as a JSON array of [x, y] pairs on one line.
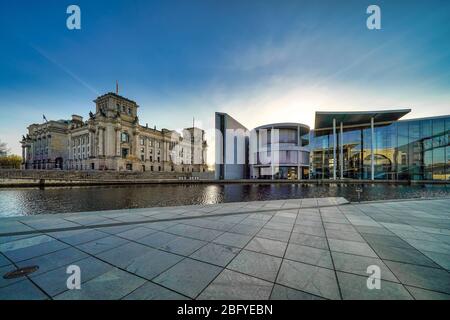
[[304, 129], [282, 125], [324, 119], [114, 95]]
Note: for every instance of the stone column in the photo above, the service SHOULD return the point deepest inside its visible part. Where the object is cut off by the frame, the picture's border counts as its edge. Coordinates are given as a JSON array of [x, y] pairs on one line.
[[70, 150], [108, 141], [91, 144], [118, 142], [136, 144], [100, 142], [310, 155]]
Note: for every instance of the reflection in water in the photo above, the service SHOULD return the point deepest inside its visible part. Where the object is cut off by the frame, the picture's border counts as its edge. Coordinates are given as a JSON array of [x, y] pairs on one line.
[[74, 199]]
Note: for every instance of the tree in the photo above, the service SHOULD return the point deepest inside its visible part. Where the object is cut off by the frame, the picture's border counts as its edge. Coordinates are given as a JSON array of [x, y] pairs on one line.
[[3, 148], [10, 162]]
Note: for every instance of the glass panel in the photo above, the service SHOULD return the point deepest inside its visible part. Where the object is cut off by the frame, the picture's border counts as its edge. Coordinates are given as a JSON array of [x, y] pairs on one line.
[[402, 151], [286, 173], [448, 164], [415, 154], [288, 136], [427, 146], [305, 140], [447, 132], [439, 143], [352, 154], [439, 163], [320, 149], [384, 152], [367, 142]]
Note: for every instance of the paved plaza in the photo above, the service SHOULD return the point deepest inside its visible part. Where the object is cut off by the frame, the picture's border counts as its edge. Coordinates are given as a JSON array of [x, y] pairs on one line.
[[283, 249]]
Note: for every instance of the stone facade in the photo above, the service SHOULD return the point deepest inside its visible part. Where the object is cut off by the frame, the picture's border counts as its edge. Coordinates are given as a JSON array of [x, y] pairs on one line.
[[113, 139]]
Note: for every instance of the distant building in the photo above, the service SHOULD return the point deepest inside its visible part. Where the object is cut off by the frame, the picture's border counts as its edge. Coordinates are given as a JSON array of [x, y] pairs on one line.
[[292, 153], [231, 148], [366, 145], [112, 139], [273, 151]]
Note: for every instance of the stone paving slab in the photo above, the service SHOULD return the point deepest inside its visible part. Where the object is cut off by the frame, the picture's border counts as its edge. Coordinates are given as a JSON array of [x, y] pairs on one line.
[[282, 249]]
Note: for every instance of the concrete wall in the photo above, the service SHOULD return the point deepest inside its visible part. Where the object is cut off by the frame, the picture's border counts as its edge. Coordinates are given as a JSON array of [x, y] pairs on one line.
[[231, 148], [91, 175]]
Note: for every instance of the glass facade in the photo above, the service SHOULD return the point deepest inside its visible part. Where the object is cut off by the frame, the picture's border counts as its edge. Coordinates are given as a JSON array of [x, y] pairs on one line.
[[281, 152], [403, 150]]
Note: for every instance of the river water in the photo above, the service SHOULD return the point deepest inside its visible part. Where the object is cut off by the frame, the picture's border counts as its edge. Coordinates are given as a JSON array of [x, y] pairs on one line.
[[31, 201]]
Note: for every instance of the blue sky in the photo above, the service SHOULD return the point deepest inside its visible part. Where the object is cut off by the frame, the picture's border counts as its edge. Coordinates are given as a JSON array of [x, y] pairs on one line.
[[260, 61]]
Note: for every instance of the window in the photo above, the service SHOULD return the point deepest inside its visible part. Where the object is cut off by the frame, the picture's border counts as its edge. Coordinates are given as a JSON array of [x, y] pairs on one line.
[[124, 152], [129, 111], [403, 160], [159, 168], [142, 150], [159, 159], [151, 158], [142, 141], [142, 158], [151, 168], [124, 137]]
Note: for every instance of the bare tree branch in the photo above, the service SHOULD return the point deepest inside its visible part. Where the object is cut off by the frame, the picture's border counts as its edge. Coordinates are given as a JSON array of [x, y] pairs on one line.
[[3, 147]]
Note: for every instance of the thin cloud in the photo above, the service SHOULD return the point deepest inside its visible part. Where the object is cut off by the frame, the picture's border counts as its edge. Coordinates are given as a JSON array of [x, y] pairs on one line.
[[66, 70]]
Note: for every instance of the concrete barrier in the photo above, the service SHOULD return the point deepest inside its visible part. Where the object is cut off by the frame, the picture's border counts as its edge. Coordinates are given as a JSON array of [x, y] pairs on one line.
[[89, 175]]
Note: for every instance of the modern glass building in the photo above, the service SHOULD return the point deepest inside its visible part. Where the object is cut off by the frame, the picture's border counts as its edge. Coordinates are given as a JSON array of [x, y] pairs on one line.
[[280, 151], [370, 145], [377, 145]]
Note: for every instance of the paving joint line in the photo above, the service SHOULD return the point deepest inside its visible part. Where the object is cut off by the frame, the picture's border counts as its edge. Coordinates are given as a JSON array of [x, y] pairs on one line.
[[35, 231], [240, 250], [368, 244], [285, 250], [331, 256], [113, 266]]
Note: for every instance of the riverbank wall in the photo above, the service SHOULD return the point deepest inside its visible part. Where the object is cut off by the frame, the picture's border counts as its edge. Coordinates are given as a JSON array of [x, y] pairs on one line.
[[61, 178]]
